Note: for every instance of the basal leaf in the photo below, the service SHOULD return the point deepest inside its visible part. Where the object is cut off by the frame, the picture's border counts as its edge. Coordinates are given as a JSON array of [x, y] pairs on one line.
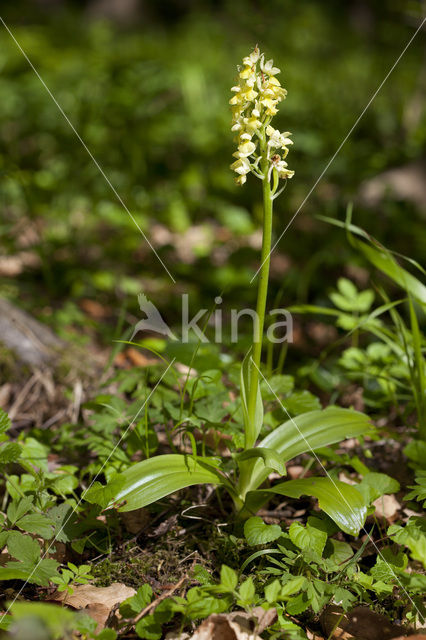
[[341, 501], [152, 479], [270, 458], [309, 431]]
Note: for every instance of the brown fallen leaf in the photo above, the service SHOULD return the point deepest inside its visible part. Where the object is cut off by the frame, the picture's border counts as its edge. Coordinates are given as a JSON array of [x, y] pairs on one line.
[[136, 520], [97, 601], [220, 627], [100, 614], [138, 359], [387, 507], [313, 636], [294, 471], [238, 625], [94, 309], [420, 636], [359, 624]]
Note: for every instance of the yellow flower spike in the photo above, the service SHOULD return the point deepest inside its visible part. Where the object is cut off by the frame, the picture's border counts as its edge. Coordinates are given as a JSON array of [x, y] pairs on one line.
[[256, 96]]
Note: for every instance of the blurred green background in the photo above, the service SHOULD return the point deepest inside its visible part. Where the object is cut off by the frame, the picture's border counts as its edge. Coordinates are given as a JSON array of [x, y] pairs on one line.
[[146, 85]]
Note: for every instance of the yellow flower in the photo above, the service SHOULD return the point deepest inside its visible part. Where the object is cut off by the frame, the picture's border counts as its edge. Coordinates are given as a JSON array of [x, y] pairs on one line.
[[278, 140], [252, 124], [270, 105], [241, 166], [248, 94], [268, 67], [246, 72], [241, 180], [246, 149]]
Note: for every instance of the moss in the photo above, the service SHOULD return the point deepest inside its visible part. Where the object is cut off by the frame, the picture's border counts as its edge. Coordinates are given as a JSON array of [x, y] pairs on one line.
[[165, 560]]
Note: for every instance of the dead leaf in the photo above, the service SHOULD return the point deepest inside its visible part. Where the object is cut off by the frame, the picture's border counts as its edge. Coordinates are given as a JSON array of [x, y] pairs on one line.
[[313, 636], [238, 625], [138, 359], [136, 520], [418, 637], [387, 507], [220, 627], [265, 618], [11, 266], [120, 359], [100, 614], [359, 624], [94, 309], [97, 601], [295, 471]]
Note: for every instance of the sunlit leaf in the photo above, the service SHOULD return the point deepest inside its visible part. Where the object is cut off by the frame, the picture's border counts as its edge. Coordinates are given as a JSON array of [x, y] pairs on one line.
[[152, 479], [257, 532], [307, 432]]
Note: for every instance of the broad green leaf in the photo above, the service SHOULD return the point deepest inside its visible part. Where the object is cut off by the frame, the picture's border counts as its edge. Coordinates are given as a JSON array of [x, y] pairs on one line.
[[247, 592], [272, 591], [307, 432], [251, 429], [148, 628], [17, 509], [413, 536], [58, 622], [152, 479], [301, 402], [37, 523], [312, 536], [276, 385], [30, 567], [338, 552], [134, 605], [15, 571], [374, 485], [10, 452], [341, 501], [228, 578], [98, 493], [35, 452], [257, 532], [270, 458], [292, 586], [23, 547]]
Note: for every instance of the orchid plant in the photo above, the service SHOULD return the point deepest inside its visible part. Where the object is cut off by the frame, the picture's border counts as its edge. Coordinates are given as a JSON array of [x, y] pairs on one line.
[[261, 151]]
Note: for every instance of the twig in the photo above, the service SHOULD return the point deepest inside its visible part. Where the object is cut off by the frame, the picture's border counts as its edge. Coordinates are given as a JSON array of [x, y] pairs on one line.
[[157, 601]]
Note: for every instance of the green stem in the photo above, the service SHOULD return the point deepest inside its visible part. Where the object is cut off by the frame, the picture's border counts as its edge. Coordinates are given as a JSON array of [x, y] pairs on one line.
[[262, 291]]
